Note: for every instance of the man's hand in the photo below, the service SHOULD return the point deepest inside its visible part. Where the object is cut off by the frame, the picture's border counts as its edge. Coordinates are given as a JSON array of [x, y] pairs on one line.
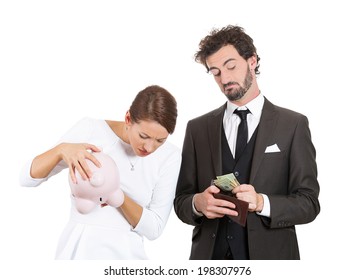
[[211, 207], [248, 193]]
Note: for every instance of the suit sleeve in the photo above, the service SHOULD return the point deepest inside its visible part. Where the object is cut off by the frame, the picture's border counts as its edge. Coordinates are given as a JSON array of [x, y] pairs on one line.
[[187, 184], [300, 204]]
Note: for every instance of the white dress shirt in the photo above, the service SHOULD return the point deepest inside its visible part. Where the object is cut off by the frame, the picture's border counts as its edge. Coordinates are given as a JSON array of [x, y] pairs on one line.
[[231, 122]]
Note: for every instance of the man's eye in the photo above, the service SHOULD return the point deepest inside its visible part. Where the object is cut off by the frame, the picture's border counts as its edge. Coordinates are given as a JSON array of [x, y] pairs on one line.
[[231, 67], [214, 72]]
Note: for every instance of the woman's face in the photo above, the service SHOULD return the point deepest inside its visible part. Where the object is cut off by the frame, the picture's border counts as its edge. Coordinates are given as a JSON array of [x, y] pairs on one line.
[[146, 136]]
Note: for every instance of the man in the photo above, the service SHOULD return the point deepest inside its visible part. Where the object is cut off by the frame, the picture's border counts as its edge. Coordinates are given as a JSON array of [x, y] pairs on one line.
[[277, 168]]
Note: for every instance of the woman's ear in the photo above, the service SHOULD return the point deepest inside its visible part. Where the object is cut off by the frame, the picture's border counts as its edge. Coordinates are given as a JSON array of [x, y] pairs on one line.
[[127, 119]]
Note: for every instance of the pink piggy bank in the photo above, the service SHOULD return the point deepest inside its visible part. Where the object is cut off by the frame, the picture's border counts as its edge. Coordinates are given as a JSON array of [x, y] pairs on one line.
[[103, 187]]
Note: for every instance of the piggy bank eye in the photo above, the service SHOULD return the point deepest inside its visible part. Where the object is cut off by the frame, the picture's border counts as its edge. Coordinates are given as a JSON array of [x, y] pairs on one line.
[[97, 179]]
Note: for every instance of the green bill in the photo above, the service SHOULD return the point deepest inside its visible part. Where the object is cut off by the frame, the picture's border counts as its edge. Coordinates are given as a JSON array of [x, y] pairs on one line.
[[226, 182]]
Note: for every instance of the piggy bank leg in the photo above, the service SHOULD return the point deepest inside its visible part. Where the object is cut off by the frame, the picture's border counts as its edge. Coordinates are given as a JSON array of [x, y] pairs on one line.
[[84, 206], [116, 199]]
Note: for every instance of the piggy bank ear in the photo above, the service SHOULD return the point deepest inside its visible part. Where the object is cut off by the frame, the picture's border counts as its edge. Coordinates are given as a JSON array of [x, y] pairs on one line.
[[84, 206], [116, 199], [97, 179]]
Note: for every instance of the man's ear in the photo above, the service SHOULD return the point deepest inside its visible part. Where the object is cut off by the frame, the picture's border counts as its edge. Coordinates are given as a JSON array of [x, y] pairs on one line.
[[253, 61]]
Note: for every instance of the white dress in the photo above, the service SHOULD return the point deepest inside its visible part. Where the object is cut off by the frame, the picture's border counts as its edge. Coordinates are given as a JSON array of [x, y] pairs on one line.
[[104, 233]]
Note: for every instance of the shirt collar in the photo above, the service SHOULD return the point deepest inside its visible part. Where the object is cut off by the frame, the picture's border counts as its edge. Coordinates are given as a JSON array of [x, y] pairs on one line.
[[255, 106]]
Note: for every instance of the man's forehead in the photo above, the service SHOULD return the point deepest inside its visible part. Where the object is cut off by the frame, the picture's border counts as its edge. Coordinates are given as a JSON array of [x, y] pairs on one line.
[[222, 56]]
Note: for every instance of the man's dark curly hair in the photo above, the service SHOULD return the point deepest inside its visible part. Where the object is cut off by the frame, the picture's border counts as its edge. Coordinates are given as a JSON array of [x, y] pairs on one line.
[[229, 35]]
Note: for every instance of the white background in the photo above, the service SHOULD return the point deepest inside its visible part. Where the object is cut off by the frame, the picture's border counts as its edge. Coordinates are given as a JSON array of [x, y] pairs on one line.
[[63, 60]]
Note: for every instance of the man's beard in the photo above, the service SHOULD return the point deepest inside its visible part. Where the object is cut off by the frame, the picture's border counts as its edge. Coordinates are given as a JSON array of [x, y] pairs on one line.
[[238, 93]]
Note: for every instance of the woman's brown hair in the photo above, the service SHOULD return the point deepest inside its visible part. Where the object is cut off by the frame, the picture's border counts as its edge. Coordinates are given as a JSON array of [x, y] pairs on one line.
[[155, 103]]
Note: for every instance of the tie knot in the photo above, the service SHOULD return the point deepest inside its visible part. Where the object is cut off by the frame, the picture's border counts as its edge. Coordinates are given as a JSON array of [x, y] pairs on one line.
[[242, 113]]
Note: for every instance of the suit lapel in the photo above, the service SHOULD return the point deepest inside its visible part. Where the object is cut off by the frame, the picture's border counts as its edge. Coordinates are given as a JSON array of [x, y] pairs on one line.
[[265, 134], [214, 134]]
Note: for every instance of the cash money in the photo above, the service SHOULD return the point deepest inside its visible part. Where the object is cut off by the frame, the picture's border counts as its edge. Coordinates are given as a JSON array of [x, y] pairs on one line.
[[226, 182]]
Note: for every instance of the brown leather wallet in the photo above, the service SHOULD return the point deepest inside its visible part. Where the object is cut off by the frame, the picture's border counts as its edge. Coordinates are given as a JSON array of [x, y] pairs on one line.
[[241, 208]]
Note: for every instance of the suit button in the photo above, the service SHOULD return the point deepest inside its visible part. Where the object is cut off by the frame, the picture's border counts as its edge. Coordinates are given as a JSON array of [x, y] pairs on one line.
[[230, 237], [237, 173], [213, 235]]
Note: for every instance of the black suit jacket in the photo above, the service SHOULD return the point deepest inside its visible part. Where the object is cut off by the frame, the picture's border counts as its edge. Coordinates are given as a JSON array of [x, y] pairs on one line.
[[288, 178]]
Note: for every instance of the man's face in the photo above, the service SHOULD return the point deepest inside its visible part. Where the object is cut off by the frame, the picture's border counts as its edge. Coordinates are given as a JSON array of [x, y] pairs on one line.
[[231, 72]]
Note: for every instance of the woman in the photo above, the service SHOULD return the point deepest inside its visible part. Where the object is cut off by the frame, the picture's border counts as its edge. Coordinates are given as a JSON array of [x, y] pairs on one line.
[[148, 167]]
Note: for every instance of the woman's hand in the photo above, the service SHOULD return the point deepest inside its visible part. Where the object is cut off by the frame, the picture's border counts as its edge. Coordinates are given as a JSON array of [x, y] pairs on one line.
[[75, 155]]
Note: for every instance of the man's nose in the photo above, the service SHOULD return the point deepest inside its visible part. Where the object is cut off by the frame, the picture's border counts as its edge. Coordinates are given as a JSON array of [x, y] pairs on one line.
[[225, 77]]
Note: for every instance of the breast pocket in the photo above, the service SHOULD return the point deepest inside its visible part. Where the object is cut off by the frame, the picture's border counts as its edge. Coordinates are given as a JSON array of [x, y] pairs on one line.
[[272, 174]]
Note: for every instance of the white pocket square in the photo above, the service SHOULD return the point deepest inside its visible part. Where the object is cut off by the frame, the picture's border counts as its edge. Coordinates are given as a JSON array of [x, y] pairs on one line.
[[272, 149]]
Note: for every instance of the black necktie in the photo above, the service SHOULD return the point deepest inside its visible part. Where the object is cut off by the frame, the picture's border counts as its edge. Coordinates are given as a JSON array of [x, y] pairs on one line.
[[242, 132]]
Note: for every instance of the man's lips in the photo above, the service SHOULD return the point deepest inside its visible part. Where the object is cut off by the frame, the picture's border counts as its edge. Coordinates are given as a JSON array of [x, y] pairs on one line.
[[229, 86]]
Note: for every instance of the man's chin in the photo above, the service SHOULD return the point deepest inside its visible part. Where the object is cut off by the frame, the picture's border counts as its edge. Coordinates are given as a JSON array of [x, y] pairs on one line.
[[233, 96]]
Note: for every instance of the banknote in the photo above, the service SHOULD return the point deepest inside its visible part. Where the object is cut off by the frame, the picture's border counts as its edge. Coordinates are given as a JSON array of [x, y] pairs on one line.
[[226, 182]]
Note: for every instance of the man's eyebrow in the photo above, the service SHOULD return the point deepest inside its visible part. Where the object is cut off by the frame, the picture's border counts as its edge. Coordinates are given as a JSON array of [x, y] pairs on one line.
[[227, 61], [213, 68]]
